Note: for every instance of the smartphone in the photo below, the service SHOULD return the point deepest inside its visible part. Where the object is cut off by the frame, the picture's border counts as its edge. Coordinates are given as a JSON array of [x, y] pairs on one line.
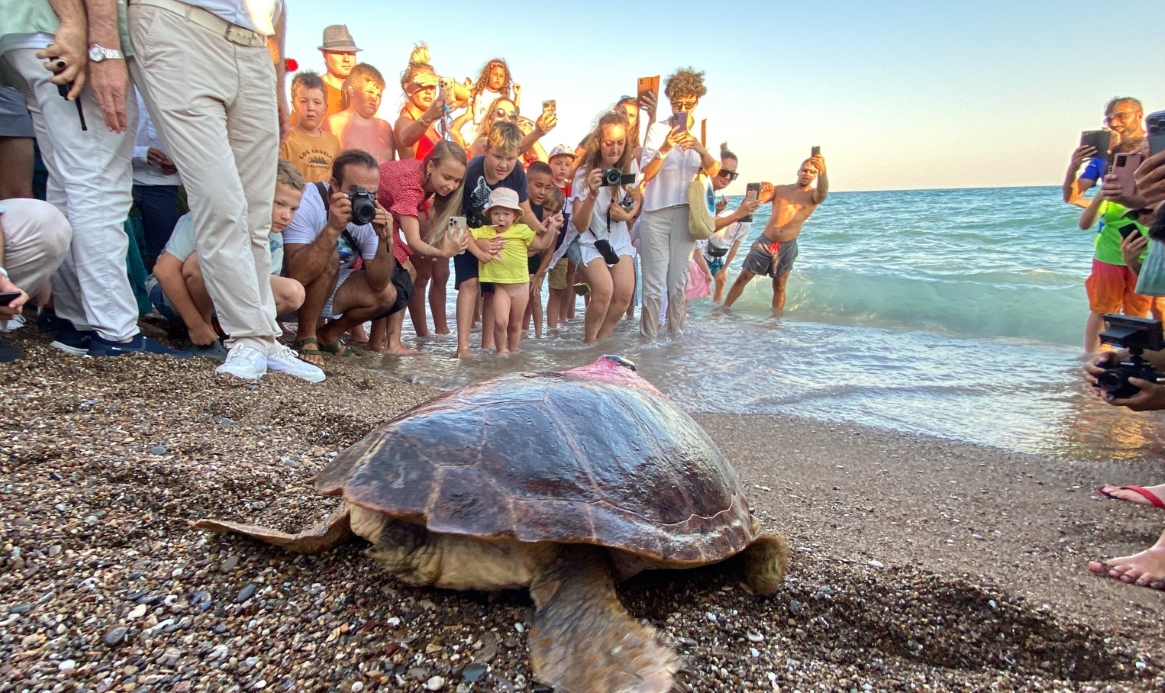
[[1100, 140], [458, 228], [1123, 168], [550, 105], [648, 85], [448, 89], [815, 151], [679, 122], [1127, 230], [751, 192], [7, 297], [1155, 126]]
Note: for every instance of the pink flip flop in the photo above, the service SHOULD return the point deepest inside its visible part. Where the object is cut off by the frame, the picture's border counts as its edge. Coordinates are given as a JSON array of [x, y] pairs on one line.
[[1148, 495]]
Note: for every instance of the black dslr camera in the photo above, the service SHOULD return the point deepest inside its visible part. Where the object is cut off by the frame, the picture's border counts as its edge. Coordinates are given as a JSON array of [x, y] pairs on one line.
[[363, 206], [1136, 335], [613, 177]]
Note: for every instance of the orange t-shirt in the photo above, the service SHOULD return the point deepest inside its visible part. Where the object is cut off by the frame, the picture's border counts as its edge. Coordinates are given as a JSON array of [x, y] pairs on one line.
[[311, 156]]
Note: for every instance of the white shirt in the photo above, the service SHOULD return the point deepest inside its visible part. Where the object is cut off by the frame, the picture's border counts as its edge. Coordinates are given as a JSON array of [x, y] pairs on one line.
[[603, 199], [669, 188], [257, 15], [728, 236], [147, 136], [310, 220]]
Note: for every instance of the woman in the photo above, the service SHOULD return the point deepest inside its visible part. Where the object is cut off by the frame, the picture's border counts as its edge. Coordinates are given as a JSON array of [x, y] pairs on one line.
[[504, 109], [731, 228], [673, 159], [601, 213], [416, 129], [405, 189]]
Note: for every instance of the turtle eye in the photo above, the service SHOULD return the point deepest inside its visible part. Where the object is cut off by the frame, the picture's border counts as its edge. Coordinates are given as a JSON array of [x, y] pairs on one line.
[[626, 363]]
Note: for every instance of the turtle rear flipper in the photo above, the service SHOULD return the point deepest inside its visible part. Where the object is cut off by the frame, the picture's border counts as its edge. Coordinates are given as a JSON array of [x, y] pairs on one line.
[[328, 533], [583, 641]]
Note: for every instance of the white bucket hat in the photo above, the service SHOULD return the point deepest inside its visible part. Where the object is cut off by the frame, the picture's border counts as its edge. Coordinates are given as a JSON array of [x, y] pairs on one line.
[[503, 197]]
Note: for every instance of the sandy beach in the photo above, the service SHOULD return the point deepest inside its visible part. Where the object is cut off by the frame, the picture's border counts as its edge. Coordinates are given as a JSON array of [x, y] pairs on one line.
[[919, 564]]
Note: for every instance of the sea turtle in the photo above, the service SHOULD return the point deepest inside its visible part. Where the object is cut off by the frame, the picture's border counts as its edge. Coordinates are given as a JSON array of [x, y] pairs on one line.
[[562, 483]]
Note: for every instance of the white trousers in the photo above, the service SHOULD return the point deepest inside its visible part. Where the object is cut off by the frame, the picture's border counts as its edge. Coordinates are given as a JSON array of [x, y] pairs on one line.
[[36, 240], [665, 249], [213, 103], [91, 181]]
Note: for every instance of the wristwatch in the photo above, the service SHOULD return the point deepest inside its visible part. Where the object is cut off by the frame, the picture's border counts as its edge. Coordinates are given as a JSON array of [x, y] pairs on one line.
[[98, 53]]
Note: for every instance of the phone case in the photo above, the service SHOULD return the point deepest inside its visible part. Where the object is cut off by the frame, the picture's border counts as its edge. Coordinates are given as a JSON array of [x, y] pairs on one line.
[[1098, 140]]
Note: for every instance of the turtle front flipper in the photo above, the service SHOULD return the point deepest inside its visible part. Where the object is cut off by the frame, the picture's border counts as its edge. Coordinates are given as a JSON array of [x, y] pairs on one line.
[[583, 641], [328, 533]]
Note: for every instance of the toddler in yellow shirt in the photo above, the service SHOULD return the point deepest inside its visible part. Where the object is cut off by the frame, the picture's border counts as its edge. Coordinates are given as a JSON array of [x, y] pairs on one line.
[[507, 270]]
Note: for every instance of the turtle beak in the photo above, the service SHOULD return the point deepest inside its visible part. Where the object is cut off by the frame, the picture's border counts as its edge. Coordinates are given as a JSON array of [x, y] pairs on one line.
[[626, 363]]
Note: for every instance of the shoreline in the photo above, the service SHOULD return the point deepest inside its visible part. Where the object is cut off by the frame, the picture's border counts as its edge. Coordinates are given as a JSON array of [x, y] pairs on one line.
[[112, 590]]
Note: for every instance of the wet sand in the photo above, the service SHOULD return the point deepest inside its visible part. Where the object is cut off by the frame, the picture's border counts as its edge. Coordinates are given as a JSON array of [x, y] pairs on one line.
[[901, 579]]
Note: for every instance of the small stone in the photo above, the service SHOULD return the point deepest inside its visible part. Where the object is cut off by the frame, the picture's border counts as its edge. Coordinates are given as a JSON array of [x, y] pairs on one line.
[[755, 637], [259, 685], [463, 688], [224, 421], [519, 627], [875, 564], [418, 674], [435, 684], [218, 652], [20, 609], [246, 593], [794, 607], [357, 687], [754, 653], [54, 550], [115, 637], [711, 617], [229, 564], [67, 666], [138, 612], [158, 450], [472, 673], [393, 622]]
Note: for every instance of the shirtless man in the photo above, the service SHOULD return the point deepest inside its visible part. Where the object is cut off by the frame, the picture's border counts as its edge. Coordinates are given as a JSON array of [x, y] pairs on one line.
[[774, 252], [357, 126]]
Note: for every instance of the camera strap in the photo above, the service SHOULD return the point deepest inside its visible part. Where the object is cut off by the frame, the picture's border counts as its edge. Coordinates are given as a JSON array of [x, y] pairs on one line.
[[345, 234]]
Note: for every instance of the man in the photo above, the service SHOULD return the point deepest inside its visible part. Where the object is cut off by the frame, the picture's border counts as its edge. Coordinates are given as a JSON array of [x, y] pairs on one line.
[[774, 252], [90, 175], [206, 75], [339, 51], [178, 290], [34, 239], [348, 271], [16, 145], [357, 126], [1124, 117]]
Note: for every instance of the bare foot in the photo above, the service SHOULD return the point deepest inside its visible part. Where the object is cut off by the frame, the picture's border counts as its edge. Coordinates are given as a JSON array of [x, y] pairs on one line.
[[503, 352], [401, 350], [466, 353], [1126, 493], [1144, 569], [313, 359], [443, 330], [359, 335]]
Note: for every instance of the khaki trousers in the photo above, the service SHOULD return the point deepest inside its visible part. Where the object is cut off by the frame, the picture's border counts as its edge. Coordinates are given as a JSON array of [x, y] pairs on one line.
[[665, 250], [213, 104], [36, 239]]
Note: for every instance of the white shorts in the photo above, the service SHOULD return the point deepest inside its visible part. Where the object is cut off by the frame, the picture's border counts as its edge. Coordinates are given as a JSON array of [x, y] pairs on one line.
[[620, 243]]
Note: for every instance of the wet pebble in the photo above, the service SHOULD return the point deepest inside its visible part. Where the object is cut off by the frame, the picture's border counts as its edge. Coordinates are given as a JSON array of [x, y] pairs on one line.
[[115, 636], [472, 673], [246, 593], [229, 564], [158, 450]]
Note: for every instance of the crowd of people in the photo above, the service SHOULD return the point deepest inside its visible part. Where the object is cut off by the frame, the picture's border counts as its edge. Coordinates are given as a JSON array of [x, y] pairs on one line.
[[1128, 276], [258, 213]]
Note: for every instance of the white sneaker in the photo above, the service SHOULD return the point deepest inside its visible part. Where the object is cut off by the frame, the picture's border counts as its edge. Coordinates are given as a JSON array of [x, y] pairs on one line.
[[283, 359], [244, 362]]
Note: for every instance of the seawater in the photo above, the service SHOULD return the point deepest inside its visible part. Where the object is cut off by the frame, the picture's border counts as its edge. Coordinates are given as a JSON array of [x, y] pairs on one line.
[[952, 313]]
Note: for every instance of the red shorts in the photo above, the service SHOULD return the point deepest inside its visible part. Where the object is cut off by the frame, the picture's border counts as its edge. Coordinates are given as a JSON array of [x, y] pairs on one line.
[[1111, 289]]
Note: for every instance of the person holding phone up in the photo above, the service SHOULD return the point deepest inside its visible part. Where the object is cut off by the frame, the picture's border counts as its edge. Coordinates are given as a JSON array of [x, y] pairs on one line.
[[1123, 117], [671, 158], [732, 227]]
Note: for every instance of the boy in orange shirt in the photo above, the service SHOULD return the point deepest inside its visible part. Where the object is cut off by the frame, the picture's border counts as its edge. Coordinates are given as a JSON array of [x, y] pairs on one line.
[[307, 147]]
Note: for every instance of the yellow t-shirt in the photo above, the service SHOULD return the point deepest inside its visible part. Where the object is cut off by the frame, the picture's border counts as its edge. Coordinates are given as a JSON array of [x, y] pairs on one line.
[[512, 268], [311, 156]]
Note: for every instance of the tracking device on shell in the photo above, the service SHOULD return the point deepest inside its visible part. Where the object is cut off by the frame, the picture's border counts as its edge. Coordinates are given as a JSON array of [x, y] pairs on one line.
[[1137, 335], [1155, 129]]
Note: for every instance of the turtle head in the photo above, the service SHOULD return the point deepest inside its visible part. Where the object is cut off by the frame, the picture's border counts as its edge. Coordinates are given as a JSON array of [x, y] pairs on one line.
[[626, 363]]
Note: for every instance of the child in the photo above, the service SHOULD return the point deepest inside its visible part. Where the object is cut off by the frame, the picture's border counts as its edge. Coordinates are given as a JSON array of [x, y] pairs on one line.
[[493, 82], [307, 147], [177, 288], [508, 268], [554, 222], [561, 298], [357, 126], [539, 184]]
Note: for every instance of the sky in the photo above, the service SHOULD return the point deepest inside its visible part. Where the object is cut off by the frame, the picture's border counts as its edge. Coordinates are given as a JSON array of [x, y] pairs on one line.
[[899, 95]]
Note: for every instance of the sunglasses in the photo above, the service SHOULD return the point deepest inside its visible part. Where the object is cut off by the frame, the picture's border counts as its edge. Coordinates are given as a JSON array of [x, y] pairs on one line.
[[503, 113], [1120, 115], [730, 175]]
